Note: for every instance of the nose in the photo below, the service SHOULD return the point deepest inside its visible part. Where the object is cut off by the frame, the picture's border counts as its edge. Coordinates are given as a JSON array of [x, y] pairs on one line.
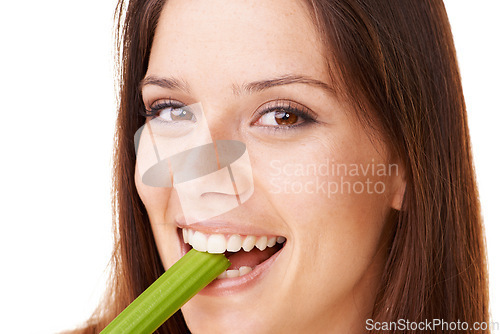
[[212, 179], [211, 175]]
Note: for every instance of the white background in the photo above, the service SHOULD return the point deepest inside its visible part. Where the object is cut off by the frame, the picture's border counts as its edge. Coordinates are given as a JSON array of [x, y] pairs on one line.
[[57, 123]]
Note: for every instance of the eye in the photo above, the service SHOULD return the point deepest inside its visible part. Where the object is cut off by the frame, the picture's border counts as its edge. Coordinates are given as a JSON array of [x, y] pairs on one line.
[[284, 114], [171, 111], [171, 114], [279, 118]]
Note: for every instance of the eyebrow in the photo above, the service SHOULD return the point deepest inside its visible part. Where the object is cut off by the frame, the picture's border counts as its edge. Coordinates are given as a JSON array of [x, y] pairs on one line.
[[288, 79], [251, 87], [170, 83]]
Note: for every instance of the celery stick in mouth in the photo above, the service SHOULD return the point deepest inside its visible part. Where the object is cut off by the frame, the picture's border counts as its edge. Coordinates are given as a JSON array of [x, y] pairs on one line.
[[169, 292]]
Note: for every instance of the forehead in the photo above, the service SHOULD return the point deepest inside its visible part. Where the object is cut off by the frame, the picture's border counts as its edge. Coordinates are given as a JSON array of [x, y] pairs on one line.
[[235, 39]]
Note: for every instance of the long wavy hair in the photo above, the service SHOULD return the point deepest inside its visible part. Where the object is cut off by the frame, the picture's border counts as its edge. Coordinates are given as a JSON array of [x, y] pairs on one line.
[[395, 62]]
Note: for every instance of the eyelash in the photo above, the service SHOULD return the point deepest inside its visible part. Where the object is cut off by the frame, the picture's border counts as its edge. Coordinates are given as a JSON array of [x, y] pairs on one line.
[[155, 109], [297, 109], [288, 106]]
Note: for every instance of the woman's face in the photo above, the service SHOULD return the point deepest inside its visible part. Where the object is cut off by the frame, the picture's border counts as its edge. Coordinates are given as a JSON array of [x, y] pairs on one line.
[[260, 73]]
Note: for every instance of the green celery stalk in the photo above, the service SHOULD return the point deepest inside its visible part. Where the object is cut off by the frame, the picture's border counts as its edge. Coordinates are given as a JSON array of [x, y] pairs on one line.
[[168, 293]]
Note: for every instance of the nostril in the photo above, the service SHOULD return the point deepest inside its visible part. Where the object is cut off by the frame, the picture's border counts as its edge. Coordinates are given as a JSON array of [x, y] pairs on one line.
[[218, 195], [219, 201]]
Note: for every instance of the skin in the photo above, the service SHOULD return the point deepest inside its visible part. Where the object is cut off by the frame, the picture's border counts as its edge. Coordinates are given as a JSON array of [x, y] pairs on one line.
[[327, 274]]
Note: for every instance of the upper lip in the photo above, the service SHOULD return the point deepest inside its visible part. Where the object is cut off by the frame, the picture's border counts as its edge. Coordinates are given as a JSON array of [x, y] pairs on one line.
[[224, 227]]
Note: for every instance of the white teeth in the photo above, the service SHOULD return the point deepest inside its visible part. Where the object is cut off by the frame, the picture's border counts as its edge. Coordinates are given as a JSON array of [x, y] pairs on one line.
[[244, 270], [261, 243], [199, 241], [271, 242], [234, 243], [232, 273], [216, 244], [219, 243], [249, 243]]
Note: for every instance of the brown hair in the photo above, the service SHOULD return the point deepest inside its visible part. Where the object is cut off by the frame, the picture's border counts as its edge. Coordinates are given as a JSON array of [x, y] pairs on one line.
[[395, 59]]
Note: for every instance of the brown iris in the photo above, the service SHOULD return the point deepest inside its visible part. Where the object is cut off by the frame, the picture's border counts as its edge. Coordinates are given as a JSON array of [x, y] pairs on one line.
[[283, 117], [180, 114]]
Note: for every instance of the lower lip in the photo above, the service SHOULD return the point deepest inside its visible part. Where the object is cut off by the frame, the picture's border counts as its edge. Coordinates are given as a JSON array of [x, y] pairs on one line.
[[228, 286]]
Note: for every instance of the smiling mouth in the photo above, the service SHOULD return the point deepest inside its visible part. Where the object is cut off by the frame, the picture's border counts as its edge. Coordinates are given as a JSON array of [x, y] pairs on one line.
[[245, 252]]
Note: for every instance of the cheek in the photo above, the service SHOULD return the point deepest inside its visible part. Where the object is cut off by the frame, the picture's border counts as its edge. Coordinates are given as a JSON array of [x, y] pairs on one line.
[[336, 215], [155, 199], [325, 184]]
